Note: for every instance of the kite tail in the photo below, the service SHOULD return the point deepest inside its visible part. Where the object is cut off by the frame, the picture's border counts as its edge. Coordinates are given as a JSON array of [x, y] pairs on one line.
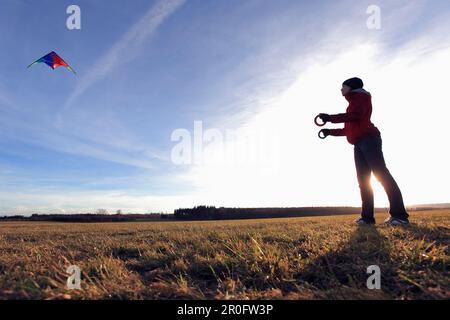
[[68, 67], [33, 63]]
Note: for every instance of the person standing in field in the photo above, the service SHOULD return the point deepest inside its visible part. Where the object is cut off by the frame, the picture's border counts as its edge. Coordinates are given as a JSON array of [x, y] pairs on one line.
[[366, 138]]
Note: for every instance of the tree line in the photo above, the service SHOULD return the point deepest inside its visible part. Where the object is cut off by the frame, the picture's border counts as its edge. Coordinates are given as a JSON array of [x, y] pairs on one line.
[[89, 217], [213, 213]]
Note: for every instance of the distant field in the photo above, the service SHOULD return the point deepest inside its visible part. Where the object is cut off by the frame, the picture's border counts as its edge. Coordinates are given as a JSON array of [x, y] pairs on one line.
[[286, 258]]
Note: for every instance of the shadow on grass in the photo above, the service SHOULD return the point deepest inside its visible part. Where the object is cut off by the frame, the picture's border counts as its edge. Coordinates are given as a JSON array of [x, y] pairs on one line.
[[342, 273], [438, 234], [339, 273]]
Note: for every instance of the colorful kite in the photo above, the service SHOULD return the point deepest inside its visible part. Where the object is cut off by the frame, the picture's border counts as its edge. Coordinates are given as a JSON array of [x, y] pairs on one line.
[[53, 61]]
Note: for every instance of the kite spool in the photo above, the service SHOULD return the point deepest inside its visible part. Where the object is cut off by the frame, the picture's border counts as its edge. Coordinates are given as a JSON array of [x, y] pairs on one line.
[[321, 134], [317, 123]]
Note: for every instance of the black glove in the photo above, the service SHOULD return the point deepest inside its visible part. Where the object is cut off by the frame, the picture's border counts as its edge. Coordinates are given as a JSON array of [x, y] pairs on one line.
[[326, 132], [325, 117]]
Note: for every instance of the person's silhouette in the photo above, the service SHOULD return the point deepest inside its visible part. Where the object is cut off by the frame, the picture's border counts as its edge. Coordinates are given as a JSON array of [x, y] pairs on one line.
[[366, 138]]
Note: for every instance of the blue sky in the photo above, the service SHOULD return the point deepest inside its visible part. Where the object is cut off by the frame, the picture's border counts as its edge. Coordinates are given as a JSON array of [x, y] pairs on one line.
[[102, 138]]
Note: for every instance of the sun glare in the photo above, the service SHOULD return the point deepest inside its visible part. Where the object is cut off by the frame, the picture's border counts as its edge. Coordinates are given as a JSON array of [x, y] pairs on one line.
[[304, 170]]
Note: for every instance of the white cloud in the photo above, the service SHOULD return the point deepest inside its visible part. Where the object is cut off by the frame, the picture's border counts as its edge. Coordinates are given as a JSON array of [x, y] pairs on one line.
[[104, 138], [131, 154], [126, 48], [409, 94], [38, 201]]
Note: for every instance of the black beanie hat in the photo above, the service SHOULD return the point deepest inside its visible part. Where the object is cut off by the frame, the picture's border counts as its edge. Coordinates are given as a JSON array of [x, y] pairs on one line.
[[354, 83]]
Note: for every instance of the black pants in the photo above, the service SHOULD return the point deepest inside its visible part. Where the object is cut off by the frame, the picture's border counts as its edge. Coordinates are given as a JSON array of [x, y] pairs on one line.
[[369, 158]]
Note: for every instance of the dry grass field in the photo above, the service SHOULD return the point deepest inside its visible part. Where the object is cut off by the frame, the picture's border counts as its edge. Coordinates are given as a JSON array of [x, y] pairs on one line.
[[286, 258]]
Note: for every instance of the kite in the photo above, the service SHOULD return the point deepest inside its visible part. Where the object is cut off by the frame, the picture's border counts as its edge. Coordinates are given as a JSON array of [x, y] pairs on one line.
[[53, 61]]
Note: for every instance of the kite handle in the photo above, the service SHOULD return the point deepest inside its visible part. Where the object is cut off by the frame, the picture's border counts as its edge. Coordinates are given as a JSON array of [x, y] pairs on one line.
[[323, 136], [317, 123]]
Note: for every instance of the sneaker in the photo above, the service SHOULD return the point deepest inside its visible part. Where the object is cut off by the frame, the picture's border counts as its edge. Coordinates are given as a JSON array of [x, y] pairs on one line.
[[361, 221], [396, 221]]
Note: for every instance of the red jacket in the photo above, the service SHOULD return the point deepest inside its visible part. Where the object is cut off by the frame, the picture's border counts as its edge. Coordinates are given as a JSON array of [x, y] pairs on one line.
[[357, 117]]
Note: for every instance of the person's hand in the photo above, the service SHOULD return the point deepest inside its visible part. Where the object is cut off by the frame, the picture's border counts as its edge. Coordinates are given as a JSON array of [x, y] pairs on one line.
[[325, 117], [326, 132]]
